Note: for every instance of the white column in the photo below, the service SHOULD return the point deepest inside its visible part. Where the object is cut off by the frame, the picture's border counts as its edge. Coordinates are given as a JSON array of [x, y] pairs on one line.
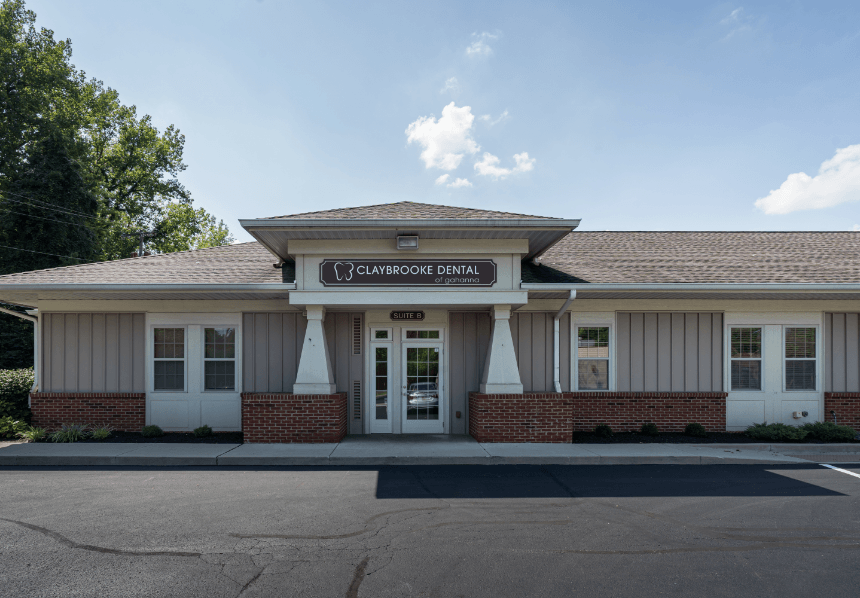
[[315, 375], [501, 372]]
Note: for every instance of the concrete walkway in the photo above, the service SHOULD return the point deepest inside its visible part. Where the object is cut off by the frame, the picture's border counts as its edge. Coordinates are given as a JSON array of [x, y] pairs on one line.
[[418, 450]]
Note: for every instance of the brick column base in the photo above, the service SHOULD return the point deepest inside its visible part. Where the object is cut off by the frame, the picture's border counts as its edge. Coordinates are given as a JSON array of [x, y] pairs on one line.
[[281, 418], [553, 417], [123, 411], [847, 408]]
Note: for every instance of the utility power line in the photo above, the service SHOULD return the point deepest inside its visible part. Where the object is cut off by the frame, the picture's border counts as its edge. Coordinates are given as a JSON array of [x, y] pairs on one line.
[[43, 253], [48, 205], [43, 218], [51, 208]]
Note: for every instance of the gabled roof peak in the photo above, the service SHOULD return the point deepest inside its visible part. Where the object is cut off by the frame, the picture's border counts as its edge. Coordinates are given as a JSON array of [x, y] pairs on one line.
[[409, 210]]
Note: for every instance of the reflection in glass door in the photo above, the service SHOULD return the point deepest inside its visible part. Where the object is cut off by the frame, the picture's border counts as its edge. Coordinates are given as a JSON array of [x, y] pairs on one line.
[[422, 385], [381, 411]]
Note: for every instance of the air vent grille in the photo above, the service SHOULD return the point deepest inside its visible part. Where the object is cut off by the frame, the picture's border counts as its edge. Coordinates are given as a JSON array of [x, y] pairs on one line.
[[356, 336], [356, 399]]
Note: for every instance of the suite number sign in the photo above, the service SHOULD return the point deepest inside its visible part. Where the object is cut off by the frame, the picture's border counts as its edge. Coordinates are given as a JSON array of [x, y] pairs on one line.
[[408, 273]]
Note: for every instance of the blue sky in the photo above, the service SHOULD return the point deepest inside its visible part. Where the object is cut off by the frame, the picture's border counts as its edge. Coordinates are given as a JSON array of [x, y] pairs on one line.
[[629, 115]]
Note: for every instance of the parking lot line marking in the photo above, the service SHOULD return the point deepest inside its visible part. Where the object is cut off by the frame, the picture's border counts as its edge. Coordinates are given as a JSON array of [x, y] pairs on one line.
[[842, 470]]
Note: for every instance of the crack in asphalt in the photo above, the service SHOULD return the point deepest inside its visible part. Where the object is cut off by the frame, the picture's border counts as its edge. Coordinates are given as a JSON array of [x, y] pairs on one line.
[[72, 544]]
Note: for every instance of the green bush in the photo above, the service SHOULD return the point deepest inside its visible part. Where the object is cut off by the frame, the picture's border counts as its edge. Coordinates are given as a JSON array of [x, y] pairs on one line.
[[32, 434], [101, 432], [203, 431], [10, 427], [70, 433], [15, 388], [603, 431], [829, 432], [776, 432], [696, 430], [649, 429], [151, 432]]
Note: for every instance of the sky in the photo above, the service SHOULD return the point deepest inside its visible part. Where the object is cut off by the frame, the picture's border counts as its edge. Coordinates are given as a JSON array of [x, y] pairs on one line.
[[628, 115]]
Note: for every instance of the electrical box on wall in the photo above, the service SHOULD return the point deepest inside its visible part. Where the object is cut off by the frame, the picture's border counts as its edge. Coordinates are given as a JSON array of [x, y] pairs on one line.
[[800, 414]]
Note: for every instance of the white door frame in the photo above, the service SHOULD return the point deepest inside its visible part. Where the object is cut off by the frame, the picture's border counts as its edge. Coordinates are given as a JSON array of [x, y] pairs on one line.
[[423, 426], [382, 426]]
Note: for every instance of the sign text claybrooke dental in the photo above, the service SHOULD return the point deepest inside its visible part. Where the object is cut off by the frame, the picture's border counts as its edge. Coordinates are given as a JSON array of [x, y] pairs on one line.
[[408, 273]]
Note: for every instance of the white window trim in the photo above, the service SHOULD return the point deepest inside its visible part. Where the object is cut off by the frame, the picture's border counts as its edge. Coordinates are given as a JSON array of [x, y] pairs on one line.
[[373, 338], [592, 320], [152, 359], [817, 359], [234, 359], [761, 359]]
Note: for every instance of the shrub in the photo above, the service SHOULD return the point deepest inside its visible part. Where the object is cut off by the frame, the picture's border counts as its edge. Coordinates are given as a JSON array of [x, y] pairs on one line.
[[9, 426], [696, 430], [776, 432], [829, 432], [649, 429], [203, 431], [15, 388], [603, 431], [32, 434], [151, 432], [101, 432], [70, 433]]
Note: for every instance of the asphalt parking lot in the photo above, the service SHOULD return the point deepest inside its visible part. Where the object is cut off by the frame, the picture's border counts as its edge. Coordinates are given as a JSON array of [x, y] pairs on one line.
[[504, 530]]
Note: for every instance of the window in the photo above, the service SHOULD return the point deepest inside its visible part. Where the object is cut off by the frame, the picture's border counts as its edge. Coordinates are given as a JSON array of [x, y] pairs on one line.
[[746, 358], [592, 355], [380, 334], [800, 359], [219, 358], [169, 359], [422, 334]]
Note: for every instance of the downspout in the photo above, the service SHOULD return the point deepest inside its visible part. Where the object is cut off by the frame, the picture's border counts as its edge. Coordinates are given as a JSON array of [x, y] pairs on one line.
[[35, 321], [556, 375]]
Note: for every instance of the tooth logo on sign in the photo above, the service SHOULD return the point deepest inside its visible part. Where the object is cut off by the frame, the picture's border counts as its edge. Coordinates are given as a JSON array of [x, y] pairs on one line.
[[340, 270]]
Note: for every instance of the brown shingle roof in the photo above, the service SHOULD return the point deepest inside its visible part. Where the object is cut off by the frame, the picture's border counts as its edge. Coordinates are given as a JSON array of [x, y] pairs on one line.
[[701, 257], [410, 210], [581, 257], [243, 263]]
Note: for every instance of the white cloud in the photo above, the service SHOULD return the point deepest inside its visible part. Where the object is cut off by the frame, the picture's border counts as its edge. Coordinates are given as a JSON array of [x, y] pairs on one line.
[[489, 119], [838, 181], [450, 85], [460, 183], [447, 140], [489, 165], [737, 21], [479, 47], [442, 179], [857, 228], [734, 16]]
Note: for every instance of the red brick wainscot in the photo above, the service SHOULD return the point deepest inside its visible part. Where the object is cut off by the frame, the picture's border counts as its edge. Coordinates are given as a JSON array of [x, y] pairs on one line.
[[553, 417], [123, 411], [280, 417], [846, 405]]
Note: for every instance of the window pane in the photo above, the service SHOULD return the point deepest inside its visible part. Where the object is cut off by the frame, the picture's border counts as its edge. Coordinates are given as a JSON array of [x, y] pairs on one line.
[[593, 374], [593, 342], [169, 375], [799, 342], [169, 343], [746, 375], [381, 334], [746, 342], [800, 375], [220, 343], [220, 375]]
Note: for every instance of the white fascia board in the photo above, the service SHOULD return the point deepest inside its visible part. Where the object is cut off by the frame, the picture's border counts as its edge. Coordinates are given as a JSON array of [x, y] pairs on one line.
[[288, 224], [191, 288], [416, 298], [535, 286]]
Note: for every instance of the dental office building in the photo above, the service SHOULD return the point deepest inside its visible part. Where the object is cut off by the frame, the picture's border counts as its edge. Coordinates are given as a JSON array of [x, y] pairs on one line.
[[411, 318]]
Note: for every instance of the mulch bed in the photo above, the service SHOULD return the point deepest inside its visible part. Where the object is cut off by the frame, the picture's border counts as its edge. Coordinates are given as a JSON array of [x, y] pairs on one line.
[[671, 438], [173, 437]]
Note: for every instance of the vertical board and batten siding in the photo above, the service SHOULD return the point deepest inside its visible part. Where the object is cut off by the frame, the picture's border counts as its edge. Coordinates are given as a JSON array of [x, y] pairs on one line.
[[842, 352], [93, 352], [532, 334], [272, 348], [469, 341], [669, 352]]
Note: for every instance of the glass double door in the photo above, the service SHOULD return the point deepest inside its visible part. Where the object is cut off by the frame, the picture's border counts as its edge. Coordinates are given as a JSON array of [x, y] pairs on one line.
[[406, 391]]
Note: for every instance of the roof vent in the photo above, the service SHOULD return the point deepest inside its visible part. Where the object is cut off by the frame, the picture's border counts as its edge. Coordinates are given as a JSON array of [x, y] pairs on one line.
[[407, 242]]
